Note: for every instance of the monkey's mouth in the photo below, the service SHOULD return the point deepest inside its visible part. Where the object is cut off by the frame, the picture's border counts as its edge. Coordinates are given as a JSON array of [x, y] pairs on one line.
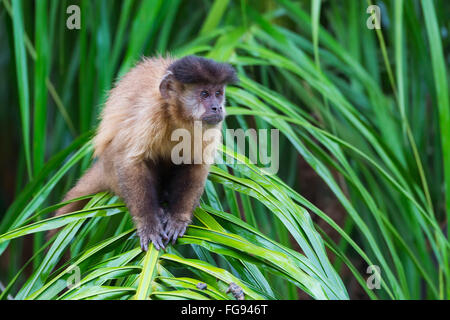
[[212, 118]]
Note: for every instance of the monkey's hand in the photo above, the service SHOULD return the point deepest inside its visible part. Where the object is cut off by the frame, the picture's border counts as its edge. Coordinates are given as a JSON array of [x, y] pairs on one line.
[[152, 230], [175, 228]]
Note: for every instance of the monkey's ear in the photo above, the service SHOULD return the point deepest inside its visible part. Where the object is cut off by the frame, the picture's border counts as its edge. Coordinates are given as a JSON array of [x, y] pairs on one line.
[[167, 85]]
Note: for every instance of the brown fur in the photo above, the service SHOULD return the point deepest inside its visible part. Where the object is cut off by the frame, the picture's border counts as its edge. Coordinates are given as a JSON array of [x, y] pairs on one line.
[[133, 146]]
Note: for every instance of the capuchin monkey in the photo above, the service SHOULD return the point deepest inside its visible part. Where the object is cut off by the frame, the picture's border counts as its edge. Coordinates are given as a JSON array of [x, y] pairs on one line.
[[133, 143]]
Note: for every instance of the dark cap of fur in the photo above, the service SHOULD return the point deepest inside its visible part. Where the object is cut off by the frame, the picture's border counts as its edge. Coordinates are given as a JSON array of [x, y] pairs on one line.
[[193, 69]]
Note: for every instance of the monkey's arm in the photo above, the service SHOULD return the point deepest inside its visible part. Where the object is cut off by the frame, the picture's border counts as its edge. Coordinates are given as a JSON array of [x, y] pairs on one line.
[[137, 185], [185, 190]]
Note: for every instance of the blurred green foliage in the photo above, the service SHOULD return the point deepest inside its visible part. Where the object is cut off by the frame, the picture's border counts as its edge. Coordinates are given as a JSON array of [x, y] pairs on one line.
[[368, 110]]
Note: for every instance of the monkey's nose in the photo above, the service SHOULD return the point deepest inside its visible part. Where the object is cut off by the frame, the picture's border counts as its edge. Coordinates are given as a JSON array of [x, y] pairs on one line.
[[216, 108]]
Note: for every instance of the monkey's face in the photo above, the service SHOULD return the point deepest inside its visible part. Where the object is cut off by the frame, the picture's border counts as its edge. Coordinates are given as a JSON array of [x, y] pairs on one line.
[[205, 103], [212, 100]]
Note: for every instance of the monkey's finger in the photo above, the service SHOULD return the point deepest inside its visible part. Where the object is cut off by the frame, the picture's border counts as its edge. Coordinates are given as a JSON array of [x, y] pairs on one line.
[[183, 231], [176, 235], [144, 244], [174, 238], [160, 243], [156, 240], [170, 234], [164, 234], [168, 227], [156, 245], [167, 241]]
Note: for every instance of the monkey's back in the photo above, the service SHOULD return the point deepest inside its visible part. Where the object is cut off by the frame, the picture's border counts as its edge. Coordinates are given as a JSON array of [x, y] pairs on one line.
[[130, 118]]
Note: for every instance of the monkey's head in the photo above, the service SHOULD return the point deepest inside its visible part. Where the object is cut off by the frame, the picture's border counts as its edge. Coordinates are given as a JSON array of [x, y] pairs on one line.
[[196, 86]]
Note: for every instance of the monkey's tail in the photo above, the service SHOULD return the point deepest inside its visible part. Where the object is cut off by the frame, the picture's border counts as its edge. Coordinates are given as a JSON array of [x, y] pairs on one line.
[[90, 183]]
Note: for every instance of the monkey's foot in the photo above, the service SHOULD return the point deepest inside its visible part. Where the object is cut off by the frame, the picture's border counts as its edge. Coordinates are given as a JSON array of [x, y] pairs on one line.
[[154, 234], [175, 228]]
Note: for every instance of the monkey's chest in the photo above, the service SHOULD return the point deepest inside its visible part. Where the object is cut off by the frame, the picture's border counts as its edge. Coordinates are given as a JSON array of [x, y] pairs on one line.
[[184, 149]]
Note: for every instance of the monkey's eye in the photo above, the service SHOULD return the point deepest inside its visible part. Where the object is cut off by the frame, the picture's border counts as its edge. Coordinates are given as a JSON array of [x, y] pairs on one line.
[[218, 93], [204, 94]]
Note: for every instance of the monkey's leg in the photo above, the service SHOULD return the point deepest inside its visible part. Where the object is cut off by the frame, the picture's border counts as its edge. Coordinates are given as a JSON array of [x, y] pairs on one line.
[[185, 189], [137, 186], [90, 183]]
